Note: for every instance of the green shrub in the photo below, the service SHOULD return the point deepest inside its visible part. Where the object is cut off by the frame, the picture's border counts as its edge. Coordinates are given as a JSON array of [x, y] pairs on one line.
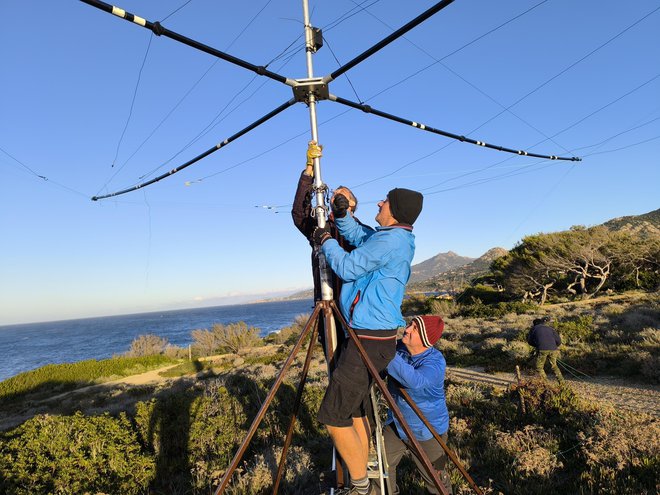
[[498, 310], [74, 454], [481, 293], [578, 329]]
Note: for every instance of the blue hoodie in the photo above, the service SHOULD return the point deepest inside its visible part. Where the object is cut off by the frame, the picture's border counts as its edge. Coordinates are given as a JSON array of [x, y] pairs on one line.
[[374, 274], [423, 377]]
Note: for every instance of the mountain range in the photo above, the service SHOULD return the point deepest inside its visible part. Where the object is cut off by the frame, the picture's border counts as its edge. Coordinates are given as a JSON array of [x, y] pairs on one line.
[[450, 272]]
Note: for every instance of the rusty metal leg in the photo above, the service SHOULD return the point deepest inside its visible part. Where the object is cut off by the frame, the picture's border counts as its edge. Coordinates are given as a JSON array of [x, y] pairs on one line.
[[390, 401], [331, 351], [296, 407], [269, 398]]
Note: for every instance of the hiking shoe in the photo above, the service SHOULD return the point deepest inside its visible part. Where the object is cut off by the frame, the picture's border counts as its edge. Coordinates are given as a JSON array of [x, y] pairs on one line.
[[354, 491]]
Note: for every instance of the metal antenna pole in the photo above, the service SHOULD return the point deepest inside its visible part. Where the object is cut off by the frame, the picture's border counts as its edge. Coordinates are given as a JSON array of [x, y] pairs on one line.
[[329, 326], [319, 186]]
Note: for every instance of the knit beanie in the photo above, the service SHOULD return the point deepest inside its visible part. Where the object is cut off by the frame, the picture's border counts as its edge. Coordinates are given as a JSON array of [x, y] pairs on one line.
[[430, 329], [405, 205]]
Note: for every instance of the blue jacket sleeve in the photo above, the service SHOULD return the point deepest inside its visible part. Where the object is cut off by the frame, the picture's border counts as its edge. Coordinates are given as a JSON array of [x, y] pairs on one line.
[[415, 378], [352, 230], [360, 261]]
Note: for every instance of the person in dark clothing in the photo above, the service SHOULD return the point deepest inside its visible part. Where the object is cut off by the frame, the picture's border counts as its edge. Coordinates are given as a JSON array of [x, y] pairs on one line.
[[546, 340], [301, 212]]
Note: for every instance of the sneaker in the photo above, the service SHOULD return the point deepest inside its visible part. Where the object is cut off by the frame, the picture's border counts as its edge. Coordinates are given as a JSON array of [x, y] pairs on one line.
[[354, 491]]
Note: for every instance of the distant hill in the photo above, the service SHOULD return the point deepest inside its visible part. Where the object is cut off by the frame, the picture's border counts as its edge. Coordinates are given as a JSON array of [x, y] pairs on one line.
[[451, 272], [645, 225], [427, 269], [440, 263], [455, 279], [303, 294]]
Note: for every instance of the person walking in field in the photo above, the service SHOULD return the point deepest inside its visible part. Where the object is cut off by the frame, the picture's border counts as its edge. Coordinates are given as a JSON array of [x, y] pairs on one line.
[[546, 341]]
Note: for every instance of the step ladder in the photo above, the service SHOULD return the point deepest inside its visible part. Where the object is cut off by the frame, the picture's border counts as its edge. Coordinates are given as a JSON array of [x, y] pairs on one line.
[[377, 466]]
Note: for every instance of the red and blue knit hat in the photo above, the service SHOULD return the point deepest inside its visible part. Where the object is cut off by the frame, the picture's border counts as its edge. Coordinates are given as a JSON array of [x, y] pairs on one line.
[[430, 328]]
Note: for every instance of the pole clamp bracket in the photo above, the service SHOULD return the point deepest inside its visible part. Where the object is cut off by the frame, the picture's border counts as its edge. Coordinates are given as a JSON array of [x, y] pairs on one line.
[[315, 85]]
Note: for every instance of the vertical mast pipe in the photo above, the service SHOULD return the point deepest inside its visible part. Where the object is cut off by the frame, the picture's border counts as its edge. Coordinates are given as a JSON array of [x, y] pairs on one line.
[[319, 186]]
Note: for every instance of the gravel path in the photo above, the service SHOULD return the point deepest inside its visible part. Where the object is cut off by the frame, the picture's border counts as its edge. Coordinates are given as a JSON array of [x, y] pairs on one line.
[[609, 390]]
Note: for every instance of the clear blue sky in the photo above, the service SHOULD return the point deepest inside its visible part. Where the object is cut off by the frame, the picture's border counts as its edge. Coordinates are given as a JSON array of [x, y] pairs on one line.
[[69, 73]]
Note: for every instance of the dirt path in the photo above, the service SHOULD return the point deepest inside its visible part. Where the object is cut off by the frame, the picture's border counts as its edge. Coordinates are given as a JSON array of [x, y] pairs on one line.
[[608, 390]]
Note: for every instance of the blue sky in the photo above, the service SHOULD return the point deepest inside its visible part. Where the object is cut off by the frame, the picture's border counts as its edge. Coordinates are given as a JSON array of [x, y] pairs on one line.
[[70, 72]]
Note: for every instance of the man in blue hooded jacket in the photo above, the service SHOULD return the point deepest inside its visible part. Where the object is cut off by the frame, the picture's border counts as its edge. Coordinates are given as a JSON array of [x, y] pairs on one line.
[[374, 277], [418, 368]]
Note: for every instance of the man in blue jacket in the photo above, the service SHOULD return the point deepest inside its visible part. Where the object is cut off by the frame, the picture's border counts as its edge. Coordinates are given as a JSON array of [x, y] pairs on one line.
[[418, 368], [374, 277]]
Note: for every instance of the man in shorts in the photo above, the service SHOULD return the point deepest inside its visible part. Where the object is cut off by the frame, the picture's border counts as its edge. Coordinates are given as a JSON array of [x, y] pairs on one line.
[[374, 277]]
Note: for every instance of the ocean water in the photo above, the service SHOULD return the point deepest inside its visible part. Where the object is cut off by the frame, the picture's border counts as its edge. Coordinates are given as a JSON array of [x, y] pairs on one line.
[[32, 345]]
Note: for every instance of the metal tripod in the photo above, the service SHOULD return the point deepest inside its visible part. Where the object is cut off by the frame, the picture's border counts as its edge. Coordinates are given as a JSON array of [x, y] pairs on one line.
[[326, 310]]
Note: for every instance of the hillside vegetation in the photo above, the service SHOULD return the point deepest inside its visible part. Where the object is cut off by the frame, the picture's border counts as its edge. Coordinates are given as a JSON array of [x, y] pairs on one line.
[[178, 434], [178, 437]]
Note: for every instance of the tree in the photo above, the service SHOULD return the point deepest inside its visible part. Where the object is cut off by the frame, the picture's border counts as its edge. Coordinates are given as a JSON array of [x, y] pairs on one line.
[[522, 274], [583, 255]]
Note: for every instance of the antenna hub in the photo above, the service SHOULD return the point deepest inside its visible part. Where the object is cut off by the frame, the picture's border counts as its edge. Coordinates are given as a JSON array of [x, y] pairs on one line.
[[314, 85]]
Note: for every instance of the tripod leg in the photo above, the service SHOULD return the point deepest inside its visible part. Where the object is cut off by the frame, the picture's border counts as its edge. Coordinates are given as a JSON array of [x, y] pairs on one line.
[[331, 355], [296, 407], [264, 407]]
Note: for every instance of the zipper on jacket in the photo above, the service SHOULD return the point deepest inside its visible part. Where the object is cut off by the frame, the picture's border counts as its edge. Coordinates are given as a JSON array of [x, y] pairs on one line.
[[353, 304]]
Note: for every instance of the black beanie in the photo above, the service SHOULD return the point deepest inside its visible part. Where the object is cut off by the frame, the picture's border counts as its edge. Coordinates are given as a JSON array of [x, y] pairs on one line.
[[405, 205]]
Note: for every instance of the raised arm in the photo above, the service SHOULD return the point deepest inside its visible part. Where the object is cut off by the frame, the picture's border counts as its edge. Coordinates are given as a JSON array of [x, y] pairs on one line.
[[302, 201], [302, 206], [353, 231], [360, 261]]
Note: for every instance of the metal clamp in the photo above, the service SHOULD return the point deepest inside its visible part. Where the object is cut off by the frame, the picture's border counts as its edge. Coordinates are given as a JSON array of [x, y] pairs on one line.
[[314, 85]]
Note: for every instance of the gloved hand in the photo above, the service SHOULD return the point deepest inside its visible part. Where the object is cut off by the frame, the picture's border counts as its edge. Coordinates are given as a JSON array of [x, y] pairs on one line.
[[340, 206], [314, 150], [320, 235]]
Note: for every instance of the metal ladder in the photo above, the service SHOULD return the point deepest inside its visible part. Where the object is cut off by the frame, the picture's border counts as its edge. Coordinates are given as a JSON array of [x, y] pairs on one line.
[[377, 467]]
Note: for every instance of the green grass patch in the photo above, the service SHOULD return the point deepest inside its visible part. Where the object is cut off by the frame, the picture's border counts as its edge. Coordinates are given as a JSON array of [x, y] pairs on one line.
[[185, 368], [58, 378]]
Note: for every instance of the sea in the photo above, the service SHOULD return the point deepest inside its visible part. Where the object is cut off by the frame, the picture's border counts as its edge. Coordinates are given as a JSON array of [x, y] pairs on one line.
[[32, 345]]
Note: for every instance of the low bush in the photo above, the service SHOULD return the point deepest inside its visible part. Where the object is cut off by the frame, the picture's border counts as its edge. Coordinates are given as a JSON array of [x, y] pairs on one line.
[[225, 338], [498, 310], [479, 293], [288, 335], [74, 454], [147, 345], [578, 329]]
